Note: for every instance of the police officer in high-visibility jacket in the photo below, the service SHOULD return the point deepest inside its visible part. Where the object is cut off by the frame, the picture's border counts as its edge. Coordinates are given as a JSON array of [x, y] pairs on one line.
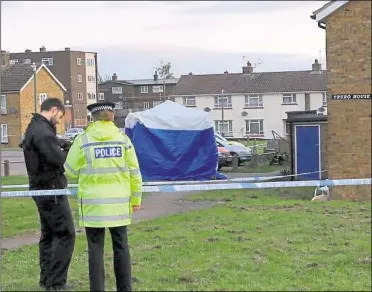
[[109, 190]]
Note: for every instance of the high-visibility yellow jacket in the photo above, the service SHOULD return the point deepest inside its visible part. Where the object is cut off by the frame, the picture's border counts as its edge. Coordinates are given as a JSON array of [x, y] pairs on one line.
[[109, 179]]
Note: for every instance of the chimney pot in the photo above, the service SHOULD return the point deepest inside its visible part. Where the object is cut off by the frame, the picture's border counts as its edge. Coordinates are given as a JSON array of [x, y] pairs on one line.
[[156, 76], [114, 77], [190, 74], [316, 67], [42, 49], [226, 72], [27, 51], [248, 69], [67, 49]]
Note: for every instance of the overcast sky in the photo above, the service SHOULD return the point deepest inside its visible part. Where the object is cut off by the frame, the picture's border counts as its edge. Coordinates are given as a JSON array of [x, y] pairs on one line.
[[200, 37]]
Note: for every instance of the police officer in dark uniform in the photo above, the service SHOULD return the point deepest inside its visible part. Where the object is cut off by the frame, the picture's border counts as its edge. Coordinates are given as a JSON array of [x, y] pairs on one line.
[[44, 159]]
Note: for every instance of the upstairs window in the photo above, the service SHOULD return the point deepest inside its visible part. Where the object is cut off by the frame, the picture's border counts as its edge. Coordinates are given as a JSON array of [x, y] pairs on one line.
[[47, 61], [222, 100], [189, 101], [117, 90], [144, 89], [253, 101], [289, 98], [3, 104]]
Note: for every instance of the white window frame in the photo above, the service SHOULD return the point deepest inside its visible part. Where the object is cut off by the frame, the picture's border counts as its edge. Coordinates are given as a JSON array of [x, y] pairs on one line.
[[90, 62], [157, 89], [3, 104], [227, 101], [146, 105], [144, 89], [219, 128], [189, 101], [13, 61], [101, 96], [80, 78], [119, 105], [78, 61], [260, 127], [324, 99], [156, 103], [115, 90], [42, 97], [26, 61], [80, 96], [249, 104], [47, 61], [4, 138], [292, 96]]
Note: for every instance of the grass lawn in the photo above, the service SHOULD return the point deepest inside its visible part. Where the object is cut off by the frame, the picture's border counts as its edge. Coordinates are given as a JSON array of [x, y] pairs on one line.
[[251, 240], [19, 215]]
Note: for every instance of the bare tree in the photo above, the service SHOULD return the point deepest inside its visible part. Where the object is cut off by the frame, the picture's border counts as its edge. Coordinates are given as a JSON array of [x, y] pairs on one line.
[[101, 79], [164, 70]]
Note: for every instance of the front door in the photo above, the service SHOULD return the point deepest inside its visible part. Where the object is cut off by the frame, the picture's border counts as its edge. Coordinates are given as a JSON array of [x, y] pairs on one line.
[[307, 150]]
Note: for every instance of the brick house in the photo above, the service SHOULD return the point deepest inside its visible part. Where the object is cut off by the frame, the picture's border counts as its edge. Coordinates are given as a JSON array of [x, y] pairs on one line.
[[348, 44], [17, 99], [135, 95]]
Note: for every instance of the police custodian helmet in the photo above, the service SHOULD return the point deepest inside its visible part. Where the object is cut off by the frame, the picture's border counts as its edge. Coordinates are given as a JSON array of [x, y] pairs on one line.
[[101, 106]]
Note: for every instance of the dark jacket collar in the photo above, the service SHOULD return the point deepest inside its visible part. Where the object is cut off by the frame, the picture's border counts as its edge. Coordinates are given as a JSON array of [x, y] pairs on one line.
[[40, 118]]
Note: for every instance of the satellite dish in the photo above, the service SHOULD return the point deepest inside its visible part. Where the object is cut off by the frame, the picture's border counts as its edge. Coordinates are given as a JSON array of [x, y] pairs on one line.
[[320, 111], [207, 109], [244, 114]]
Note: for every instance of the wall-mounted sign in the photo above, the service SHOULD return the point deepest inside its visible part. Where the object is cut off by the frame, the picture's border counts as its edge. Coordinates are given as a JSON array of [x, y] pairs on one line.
[[351, 96]]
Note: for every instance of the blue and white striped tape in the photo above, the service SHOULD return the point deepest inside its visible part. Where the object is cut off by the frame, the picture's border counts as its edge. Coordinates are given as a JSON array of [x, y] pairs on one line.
[[207, 187], [187, 182]]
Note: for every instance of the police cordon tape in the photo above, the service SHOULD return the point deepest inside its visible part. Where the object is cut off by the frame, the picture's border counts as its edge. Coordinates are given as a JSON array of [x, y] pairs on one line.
[[207, 187], [187, 182]]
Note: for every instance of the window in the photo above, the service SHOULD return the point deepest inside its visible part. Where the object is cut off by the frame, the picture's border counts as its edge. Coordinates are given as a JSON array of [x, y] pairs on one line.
[[254, 127], [189, 101], [42, 97], [155, 103], [253, 101], [117, 90], [225, 130], [91, 78], [91, 96], [80, 96], [289, 98], [78, 61], [226, 100], [101, 96], [3, 104], [146, 105], [47, 61], [144, 89], [80, 78], [26, 61], [157, 88], [118, 105], [90, 62], [4, 133], [14, 61], [324, 99]]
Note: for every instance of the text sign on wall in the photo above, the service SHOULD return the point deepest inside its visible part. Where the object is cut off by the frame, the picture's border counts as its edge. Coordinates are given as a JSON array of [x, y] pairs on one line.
[[351, 96]]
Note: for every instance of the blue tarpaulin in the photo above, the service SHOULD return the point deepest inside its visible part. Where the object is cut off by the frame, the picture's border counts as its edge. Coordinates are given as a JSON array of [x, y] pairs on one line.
[[174, 142]]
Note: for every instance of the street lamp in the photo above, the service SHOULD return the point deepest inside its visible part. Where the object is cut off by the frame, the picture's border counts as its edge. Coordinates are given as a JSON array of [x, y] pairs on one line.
[[33, 66], [68, 106], [222, 112]]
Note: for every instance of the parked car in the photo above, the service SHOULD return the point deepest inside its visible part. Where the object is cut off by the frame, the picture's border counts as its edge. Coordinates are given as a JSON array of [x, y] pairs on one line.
[[73, 132], [221, 138], [224, 156], [244, 153]]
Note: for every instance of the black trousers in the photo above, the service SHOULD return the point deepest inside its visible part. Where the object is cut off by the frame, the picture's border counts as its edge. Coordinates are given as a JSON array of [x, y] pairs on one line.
[[122, 264], [57, 239]]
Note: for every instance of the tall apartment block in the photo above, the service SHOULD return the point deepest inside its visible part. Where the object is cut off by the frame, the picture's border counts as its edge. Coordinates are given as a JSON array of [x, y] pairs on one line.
[[76, 70]]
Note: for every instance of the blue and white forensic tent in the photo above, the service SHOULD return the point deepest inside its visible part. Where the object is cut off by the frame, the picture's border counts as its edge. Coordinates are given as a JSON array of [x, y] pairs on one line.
[[173, 142]]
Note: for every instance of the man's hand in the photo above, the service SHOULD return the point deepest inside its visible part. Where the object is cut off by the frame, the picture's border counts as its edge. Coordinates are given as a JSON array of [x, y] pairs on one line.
[[135, 208]]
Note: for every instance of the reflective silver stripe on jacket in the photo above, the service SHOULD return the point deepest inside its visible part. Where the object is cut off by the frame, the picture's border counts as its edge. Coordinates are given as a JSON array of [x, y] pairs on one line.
[[103, 170], [70, 169], [106, 218], [134, 171], [137, 194], [107, 143], [88, 157], [105, 201]]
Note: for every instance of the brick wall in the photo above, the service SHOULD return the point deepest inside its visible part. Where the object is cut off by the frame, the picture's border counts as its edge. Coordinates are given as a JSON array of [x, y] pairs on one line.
[[349, 121], [45, 84], [12, 120]]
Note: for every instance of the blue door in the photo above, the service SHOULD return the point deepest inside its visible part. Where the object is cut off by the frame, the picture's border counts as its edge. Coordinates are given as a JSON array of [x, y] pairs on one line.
[[307, 152]]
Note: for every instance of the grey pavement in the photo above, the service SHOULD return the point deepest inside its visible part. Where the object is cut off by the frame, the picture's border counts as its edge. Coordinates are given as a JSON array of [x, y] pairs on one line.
[[17, 162]]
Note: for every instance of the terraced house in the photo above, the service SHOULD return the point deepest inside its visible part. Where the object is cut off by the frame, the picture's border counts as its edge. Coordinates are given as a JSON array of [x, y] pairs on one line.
[[254, 104], [18, 102]]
